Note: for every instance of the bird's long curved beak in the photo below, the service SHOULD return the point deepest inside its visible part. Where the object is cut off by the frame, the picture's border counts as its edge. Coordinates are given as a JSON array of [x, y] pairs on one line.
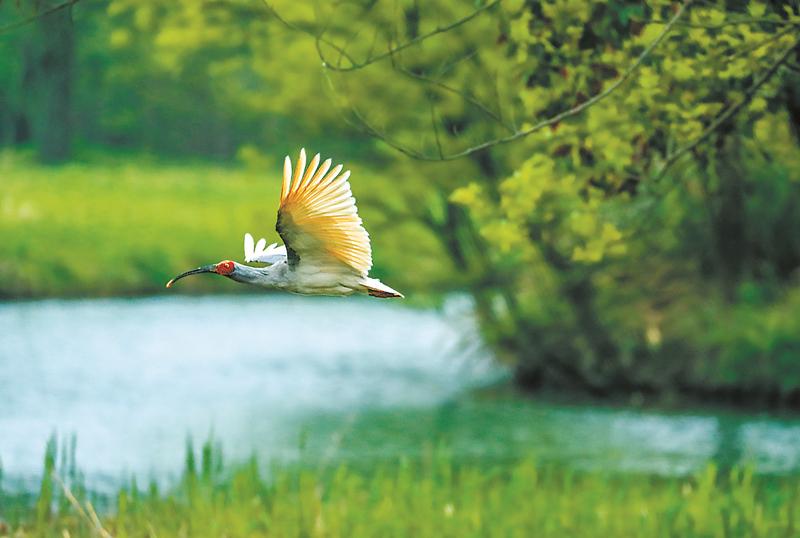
[[204, 269]]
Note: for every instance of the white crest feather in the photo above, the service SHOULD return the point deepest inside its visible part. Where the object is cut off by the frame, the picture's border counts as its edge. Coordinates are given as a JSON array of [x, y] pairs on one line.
[[249, 247], [256, 252]]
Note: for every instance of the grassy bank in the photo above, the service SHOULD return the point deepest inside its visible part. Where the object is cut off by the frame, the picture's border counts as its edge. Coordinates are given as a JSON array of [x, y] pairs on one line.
[[125, 225], [121, 227], [432, 497]]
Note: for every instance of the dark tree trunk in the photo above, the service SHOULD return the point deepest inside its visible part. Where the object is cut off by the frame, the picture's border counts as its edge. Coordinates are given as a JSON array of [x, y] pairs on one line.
[[25, 95], [22, 128], [52, 96], [730, 223], [6, 121], [792, 89]]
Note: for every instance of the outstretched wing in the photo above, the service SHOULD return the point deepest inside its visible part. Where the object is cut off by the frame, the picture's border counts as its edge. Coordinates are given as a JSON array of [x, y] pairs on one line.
[[318, 220]]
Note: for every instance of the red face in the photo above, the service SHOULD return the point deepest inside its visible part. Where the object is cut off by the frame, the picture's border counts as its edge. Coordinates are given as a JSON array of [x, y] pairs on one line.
[[225, 268]]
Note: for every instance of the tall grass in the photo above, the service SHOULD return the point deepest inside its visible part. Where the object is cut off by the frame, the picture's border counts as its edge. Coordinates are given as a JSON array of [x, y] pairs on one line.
[[434, 496]]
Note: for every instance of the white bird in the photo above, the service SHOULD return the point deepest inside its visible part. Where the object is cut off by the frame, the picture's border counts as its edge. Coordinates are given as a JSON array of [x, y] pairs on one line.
[[326, 250]]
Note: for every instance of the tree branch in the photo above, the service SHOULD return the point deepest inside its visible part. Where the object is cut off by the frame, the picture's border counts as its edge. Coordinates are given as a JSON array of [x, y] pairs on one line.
[[728, 113], [37, 16], [320, 38], [755, 46], [410, 43], [778, 22], [435, 127], [542, 124], [462, 94]]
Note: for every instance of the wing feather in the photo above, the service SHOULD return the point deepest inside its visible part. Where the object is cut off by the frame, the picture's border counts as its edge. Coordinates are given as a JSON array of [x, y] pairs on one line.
[[298, 172], [319, 175], [326, 184], [318, 219], [287, 177], [301, 184]]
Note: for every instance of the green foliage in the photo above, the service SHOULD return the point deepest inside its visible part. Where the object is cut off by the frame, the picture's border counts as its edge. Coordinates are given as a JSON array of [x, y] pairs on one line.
[[760, 356], [611, 269], [565, 194], [438, 496]]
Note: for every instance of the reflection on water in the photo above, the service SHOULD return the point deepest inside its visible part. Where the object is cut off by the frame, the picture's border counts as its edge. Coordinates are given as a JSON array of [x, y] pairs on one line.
[[580, 436], [355, 379]]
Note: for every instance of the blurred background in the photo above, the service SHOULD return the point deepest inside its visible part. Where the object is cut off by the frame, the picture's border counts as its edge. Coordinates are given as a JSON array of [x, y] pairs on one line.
[[592, 207]]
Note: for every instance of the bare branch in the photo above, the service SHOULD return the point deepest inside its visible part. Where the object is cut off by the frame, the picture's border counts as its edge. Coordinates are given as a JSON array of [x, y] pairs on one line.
[[436, 128], [728, 113], [542, 124], [37, 16], [319, 37], [448, 66], [410, 43], [735, 22], [714, 4], [755, 46], [462, 94]]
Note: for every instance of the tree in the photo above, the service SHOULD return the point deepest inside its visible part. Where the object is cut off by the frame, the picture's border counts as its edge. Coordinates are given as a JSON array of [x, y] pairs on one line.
[[46, 54], [602, 100], [53, 84]]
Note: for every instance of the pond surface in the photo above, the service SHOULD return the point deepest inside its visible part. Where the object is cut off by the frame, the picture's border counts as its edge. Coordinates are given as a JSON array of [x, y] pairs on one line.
[[292, 378]]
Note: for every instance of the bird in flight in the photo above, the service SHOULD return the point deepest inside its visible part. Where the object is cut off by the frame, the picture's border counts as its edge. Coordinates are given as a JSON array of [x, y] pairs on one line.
[[326, 249]]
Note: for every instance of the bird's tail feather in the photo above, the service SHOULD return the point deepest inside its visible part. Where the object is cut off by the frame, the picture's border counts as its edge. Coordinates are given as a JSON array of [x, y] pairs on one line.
[[376, 288]]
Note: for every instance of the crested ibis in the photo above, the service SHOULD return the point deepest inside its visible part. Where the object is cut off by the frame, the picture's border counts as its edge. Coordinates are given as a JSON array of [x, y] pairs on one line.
[[326, 249]]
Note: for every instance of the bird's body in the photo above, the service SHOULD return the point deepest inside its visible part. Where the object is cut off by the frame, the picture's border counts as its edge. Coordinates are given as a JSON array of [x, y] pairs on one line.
[[326, 251], [282, 276]]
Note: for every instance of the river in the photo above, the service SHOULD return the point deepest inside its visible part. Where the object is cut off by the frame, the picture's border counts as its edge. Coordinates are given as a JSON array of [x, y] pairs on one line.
[[325, 379]]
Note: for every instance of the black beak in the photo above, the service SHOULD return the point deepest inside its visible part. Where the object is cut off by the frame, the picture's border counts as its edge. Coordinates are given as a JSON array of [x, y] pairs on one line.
[[204, 269]]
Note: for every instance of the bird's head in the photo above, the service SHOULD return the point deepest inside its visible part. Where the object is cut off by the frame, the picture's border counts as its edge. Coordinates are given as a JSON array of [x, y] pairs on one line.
[[224, 268]]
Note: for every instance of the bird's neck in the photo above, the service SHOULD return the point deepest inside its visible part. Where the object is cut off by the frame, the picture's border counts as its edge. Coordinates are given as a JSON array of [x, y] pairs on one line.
[[267, 277]]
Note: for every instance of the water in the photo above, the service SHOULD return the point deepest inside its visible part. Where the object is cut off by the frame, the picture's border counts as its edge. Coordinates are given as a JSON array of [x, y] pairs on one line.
[[319, 379]]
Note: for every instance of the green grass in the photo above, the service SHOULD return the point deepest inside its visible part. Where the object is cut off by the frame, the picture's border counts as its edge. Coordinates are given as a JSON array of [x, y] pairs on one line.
[[434, 497], [123, 228], [125, 225]]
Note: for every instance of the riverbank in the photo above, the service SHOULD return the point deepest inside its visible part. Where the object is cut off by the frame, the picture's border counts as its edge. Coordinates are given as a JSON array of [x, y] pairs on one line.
[[432, 496], [120, 228]]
